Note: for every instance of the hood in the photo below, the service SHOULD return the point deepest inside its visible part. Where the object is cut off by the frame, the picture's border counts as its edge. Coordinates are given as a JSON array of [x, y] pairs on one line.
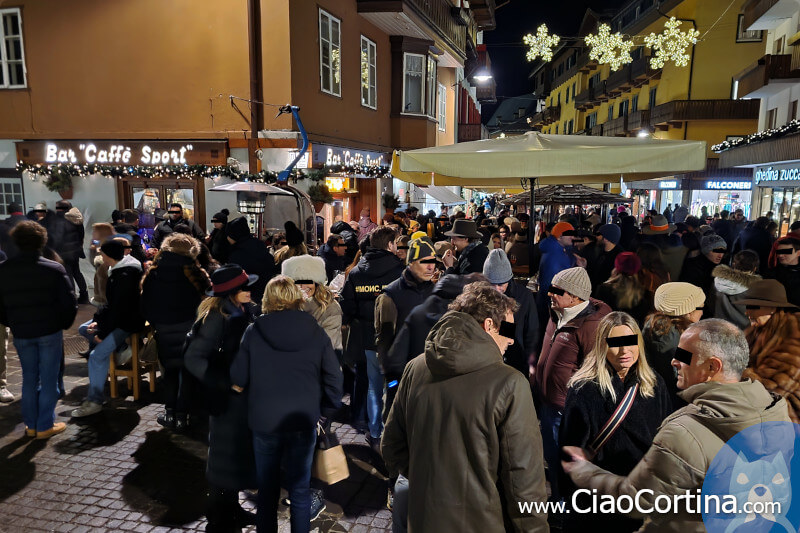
[[728, 408], [458, 345], [378, 262], [272, 328], [730, 281], [189, 248], [550, 245], [74, 215], [126, 261]]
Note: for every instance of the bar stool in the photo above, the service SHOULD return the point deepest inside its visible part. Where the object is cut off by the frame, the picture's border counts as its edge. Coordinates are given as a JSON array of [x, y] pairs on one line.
[[133, 370]]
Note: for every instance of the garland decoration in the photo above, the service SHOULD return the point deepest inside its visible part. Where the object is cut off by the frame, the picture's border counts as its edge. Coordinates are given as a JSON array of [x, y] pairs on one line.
[[792, 128]]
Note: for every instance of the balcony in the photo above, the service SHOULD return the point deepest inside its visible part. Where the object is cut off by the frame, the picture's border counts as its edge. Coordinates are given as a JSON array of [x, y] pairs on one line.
[[483, 10], [547, 116], [619, 81], [422, 19], [641, 73], [767, 14], [617, 127], [471, 132], [595, 130], [678, 111], [585, 99], [638, 119], [766, 77]]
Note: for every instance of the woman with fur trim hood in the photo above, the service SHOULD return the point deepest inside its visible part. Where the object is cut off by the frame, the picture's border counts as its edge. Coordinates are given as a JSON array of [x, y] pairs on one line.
[[308, 273], [730, 283], [171, 292]]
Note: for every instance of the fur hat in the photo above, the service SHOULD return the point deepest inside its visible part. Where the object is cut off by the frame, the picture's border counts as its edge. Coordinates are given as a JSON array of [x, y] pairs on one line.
[[181, 244], [294, 236], [305, 268], [575, 281]]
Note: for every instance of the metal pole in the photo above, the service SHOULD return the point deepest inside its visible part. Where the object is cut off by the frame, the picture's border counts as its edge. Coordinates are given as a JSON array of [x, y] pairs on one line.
[[532, 227]]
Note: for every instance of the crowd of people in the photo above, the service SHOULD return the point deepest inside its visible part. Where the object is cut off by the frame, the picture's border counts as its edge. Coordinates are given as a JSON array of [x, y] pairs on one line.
[[482, 352]]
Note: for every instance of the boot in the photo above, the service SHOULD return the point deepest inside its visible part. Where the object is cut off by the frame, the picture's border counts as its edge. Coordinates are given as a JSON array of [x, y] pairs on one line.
[[167, 418], [83, 298]]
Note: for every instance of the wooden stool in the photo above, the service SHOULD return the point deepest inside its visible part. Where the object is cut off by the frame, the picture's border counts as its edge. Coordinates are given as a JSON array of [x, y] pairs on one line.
[[133, 369]]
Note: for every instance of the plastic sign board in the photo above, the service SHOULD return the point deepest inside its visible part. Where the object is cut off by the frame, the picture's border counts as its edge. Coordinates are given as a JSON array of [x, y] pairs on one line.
[[717, 185], [668, 184]]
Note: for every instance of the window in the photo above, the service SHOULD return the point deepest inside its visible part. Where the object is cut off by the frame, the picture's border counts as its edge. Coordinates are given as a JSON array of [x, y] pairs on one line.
[[330, 60], [430, 88], [623, 108], [570, 126], [610, 111], [594, 81], [369, 73], [777, 48], [414, 81], [556, 129], [12, 56], [573, 90], [10, 191], [772, 118], [652, 103], [743, 36], [566, 96], [591, 120], [635, 103], [442, 108]]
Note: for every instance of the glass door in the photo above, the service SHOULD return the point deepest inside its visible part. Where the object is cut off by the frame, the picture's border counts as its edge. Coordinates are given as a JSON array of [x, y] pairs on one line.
[[152, 197]]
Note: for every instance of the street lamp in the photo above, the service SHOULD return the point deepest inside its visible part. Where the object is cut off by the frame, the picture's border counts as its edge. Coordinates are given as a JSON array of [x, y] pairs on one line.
[[482, 75]]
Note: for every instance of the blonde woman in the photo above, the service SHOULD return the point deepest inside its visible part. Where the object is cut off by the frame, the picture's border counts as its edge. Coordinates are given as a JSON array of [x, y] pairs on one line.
[[608, 377], [308, 273]]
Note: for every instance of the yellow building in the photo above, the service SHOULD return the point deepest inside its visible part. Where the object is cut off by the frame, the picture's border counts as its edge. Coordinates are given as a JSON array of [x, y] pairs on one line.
[[692, 102]]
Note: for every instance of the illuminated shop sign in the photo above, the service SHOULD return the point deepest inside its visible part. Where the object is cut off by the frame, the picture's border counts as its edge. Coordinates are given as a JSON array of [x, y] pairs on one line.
[[668, 184], [717, 185], [122, 152], [777, 173], [335, 155]]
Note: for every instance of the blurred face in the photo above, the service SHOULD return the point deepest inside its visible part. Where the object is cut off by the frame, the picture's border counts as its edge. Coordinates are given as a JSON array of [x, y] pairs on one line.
[[422, 269], [497, 243], [280, 244], [622, 358], [559, 302], [175, 213], [504, 233], [760, 315], [501, 288], [738, 216], [565, 241], [340, 248], [787, 255], [494, 331], [217, 225], [459, 243], [401, 253], [694, 372], [695, 315], [715, 255], [308, 289], [243, 297]]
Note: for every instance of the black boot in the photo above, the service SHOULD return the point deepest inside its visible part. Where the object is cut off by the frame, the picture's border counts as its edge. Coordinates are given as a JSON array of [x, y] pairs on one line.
[[220, 511], [167, 418]]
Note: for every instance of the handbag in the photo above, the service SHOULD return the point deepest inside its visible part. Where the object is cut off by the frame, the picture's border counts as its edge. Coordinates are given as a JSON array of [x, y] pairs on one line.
[[615, 421], [330, 461]]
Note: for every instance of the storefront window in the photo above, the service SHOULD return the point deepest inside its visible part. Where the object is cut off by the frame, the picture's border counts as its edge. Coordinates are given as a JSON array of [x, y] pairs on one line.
[[717, 201]]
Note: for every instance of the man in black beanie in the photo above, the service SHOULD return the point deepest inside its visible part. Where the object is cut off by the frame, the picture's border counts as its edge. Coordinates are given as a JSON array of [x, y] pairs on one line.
[[218, 240], [250, 254]]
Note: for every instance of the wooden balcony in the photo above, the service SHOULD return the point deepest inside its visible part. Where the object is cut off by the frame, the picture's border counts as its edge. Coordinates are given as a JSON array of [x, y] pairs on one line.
[[585, 100], [641, 73], [471, 132], [619, 81], [547, 116], [617, 127], [638, 119], [766, 77], [483, 10], [595, 130], [678, 111], [767, 14]]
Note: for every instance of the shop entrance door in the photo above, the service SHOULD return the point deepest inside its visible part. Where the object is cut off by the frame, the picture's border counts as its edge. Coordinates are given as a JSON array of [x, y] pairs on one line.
[[152, 197]]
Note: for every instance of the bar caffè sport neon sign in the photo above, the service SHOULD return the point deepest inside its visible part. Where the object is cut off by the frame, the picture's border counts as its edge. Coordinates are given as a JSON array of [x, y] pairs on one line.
[[89, 153]]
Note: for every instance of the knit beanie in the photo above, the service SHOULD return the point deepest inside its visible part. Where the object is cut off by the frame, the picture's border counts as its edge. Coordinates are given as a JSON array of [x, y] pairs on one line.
[[710, 242], [305, 268], [418, 235], [628, 263], [294, 236], [237, 229], [610, 232], [113, 249], [497, 267], [575, 281], [420, 249], [560, 228], [678, 298], [222, 216]]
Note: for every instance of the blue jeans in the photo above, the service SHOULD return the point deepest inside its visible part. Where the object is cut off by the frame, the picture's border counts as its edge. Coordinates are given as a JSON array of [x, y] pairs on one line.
[[295, 452], [400, 506], [82, 330], [98, 364], [374, 394], [550, 419], [40, 359]]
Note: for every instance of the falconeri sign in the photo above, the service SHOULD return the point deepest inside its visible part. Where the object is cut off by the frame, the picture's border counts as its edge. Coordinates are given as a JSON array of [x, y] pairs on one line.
[[122, 152]]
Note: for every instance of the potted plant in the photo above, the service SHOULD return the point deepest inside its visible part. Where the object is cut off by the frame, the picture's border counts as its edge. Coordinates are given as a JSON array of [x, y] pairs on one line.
[[59, 181], [320, 195], [390, 202]]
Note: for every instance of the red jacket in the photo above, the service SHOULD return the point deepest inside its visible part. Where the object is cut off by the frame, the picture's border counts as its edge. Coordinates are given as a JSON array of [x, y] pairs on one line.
[[563, 351]]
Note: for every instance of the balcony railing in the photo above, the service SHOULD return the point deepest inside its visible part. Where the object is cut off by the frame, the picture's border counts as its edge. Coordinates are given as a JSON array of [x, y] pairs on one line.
[[755, 9], [639, 119], [597, 129], [685, 110], [585, 99], [618, 81], [759, 74], [616, 127]]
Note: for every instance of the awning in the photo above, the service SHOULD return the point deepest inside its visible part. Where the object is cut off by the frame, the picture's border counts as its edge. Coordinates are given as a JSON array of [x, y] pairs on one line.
[[552, 159], [443, 195]]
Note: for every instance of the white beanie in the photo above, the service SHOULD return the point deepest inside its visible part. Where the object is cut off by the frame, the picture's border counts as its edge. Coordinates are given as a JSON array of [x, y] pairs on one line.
[[305, 267], [575, 281], [678, 298]]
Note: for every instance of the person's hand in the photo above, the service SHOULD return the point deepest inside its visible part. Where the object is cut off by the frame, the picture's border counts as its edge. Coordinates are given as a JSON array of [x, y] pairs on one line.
[[449, 259], [91, 328], [97, 340], [576, 455], [580, 261]]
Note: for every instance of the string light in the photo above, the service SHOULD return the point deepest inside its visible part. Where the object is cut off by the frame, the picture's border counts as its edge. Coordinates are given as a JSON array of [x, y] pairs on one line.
[[608, 48], [364, 70], [671, 44], [541, 44]]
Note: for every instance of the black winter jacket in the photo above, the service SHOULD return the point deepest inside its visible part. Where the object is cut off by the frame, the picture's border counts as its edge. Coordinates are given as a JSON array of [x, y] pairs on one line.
[[289, 371], [172, 289], [350, 239], [471, 259], [251, 254], [599, 268], [758, 240], [166, 228], [219, 245], [332, 261], [697, 271], [66, 238], [789, 276], [36, 297], [6, 226], [122, 292], [375, 270], [526, 320]]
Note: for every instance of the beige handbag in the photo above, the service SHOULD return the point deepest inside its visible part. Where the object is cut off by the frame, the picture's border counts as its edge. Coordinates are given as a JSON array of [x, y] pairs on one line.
[[330, 461]]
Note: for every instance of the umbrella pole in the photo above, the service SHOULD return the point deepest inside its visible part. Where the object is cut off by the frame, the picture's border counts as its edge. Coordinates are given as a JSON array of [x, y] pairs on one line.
[[532, 227]]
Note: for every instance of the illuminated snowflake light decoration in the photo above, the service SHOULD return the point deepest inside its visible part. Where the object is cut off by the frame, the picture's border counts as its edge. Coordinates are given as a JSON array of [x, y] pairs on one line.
[[671, 44], [541, 44], [609, 49]]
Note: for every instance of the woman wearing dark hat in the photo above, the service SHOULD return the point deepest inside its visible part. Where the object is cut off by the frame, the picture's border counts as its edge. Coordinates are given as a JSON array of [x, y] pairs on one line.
[[624, 291], [251, 254], [218, 242], [774, 340], [294, 244], [171, 291], [221, 321]]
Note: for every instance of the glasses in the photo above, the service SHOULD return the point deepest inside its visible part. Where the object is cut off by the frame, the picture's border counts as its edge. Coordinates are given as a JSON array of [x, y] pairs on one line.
[[174, 212], [624, 340], [784, 251]]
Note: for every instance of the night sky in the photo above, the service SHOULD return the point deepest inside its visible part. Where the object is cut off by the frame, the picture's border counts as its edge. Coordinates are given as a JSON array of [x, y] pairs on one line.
[[514, 20]]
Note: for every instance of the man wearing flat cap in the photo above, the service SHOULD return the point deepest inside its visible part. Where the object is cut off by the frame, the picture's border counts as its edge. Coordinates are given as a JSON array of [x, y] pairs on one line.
[[472, 253]]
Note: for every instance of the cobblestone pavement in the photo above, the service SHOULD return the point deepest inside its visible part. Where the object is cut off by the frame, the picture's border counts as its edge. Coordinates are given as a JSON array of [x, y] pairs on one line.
[[120, 471]]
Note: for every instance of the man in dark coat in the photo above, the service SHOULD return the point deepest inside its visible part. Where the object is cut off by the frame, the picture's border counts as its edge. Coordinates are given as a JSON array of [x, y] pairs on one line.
[[37, 303], [113, 323], [333, 253], [471, 251], [698, 270], [350, 239], [250, 254], [168, 226], [217, 241], [600, 267], [756, 237], [66, 239], [15, 216], [786, 269], [724, 227], [129, 228], [378, 267]]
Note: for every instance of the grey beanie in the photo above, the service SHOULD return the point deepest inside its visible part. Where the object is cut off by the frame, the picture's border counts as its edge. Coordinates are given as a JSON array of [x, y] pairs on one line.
[[575, 281], [709, 242], [497, 267], [610, 232]]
